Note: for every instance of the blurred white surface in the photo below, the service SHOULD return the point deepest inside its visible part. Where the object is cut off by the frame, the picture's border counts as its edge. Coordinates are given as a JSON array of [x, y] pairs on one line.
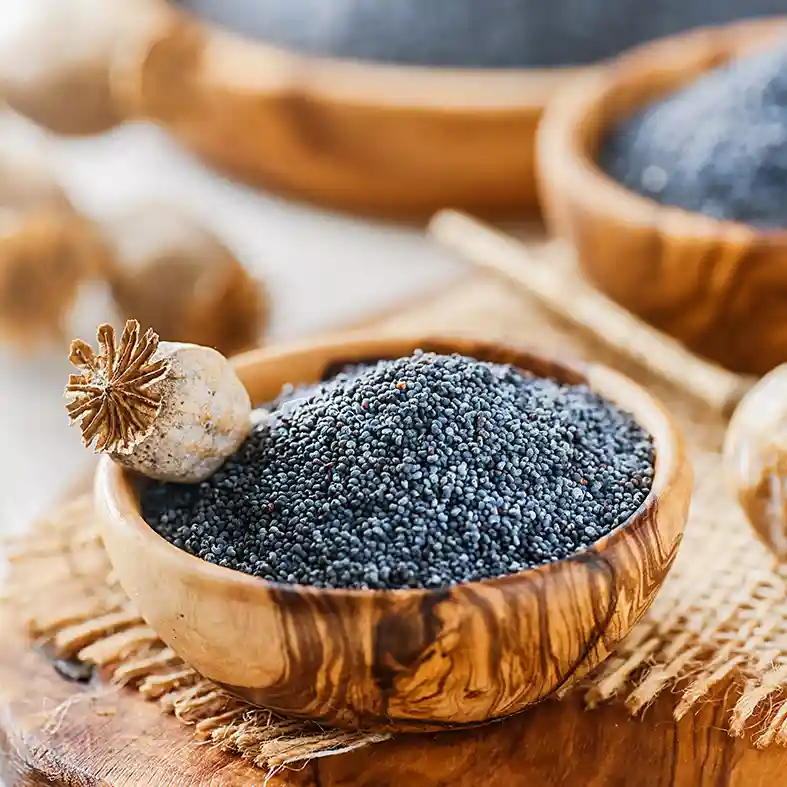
[[322, 269]]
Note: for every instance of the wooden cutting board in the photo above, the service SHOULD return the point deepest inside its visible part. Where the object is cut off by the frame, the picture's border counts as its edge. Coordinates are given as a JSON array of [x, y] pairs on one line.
[[57, 732]]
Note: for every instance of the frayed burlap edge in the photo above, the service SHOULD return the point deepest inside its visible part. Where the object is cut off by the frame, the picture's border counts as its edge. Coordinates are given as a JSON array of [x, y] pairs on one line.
[[61, 585]]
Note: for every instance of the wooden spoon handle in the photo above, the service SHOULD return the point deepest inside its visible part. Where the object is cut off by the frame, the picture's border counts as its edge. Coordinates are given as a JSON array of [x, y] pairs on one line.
[[585, 307]]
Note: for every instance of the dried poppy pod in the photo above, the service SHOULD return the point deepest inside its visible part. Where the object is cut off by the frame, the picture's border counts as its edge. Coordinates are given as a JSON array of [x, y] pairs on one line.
[[43, 264], [57, 59], [170, 411], [47, 251], [755, 452], [176, 276]]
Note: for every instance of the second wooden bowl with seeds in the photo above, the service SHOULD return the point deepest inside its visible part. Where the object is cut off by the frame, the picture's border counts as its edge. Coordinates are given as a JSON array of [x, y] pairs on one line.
[[684, 229]]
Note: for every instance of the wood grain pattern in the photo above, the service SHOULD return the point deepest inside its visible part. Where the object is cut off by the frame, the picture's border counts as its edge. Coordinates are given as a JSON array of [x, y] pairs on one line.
[[718, 286], [561, 744], [367, 137], [105, 738], [58, 732], [414, 659]]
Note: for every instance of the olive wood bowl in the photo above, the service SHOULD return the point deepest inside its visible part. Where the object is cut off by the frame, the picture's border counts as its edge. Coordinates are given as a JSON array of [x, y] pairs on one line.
[[405, 659], [360, 136], [390, 140], [720, 287]]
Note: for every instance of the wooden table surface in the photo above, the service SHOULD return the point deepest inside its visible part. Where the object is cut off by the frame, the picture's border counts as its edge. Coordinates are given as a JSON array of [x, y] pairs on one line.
[[56, 732]]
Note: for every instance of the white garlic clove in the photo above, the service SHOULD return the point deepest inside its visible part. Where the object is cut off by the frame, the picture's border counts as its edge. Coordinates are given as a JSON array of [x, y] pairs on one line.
[[755, 455], [170, 411]]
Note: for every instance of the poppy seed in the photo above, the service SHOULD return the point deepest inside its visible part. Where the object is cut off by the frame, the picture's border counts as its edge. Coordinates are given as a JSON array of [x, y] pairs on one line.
[[470, 33], [395, 507], [717, 147]]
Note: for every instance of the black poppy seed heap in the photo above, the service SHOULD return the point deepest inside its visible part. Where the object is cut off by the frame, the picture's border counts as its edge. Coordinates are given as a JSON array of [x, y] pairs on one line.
[[470, 33], [717, 147], [417, 472]]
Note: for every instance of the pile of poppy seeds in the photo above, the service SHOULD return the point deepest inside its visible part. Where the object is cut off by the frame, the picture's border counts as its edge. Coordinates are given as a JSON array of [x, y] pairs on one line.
[[423, 471], [717, 147], [470, 33]]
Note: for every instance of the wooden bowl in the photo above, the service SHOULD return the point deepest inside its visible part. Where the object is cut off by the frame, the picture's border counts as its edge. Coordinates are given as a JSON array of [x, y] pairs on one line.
[[361, 136], [718, 286], [405, 659]]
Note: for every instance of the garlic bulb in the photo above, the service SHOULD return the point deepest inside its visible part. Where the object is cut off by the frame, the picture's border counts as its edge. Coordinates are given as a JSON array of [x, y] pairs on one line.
[[755, 454], [170, 411], [173, 274]]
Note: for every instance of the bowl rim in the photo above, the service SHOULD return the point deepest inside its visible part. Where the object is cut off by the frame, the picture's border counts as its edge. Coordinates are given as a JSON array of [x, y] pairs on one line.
[[113, 485], [559, 135], [246, 63]]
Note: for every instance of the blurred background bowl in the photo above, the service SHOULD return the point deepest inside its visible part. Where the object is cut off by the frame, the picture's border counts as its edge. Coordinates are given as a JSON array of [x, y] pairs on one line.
[[394, 140], [718, 286]]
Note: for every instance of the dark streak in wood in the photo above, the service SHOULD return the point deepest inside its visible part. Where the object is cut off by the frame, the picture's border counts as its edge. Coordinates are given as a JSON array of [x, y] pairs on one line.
[[73, 670], [602, 616], [399, 641], [69, 669]]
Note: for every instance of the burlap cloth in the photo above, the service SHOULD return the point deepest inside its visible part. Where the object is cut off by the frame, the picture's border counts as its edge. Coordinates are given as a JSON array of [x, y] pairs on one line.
[[720, 619]]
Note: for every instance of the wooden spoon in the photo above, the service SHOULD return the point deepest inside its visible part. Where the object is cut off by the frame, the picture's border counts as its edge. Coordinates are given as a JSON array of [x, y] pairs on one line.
[[574, 300]]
